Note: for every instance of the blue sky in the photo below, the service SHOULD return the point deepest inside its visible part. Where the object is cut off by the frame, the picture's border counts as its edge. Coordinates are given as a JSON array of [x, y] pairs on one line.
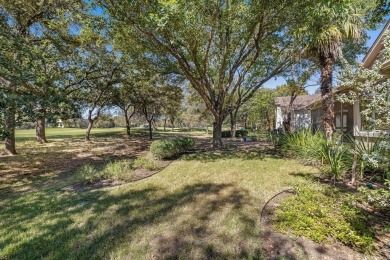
[[273, 83]]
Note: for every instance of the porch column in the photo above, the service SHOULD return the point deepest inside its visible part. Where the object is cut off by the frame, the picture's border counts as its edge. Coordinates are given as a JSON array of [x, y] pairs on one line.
[[357, 121]]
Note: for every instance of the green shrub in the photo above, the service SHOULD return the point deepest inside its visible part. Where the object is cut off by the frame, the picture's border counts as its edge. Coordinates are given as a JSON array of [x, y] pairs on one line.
[[239, 133], [303, 144], [88, 174], [379, 199], [372, 156], [184, 143], [322, 215], [119, 170], [145, 163], [165, 149]]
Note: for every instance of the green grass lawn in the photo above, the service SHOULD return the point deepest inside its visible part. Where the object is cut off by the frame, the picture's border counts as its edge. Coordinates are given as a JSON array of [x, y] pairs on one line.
[[201, 206], [53, 133], [69, 132]]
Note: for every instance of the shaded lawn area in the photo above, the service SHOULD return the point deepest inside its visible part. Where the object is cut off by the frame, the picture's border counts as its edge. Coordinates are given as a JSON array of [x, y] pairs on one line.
[[200, 206]]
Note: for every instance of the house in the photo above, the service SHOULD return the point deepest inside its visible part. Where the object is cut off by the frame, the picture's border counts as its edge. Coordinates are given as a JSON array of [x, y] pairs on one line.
[[345, 114], [307, 110], [60, 123], [300, 111]]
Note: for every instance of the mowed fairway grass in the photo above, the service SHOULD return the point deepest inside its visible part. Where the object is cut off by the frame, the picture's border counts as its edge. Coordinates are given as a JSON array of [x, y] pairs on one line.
[[204, 205], [69, 132]]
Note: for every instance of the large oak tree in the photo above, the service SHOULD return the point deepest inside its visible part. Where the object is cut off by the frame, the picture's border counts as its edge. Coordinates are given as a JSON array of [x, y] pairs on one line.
[[221, 47]]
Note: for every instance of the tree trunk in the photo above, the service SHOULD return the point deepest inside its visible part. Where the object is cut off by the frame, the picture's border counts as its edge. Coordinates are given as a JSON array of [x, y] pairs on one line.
[[232, 127], [217, 133], [88, 131], [150, 130], [287, 123], [233, 116], [172, 123], [165, 123], [353, 177], [40, 129], [326, 62], [9, 125], [154, 126], [269, 122], [127, 123]]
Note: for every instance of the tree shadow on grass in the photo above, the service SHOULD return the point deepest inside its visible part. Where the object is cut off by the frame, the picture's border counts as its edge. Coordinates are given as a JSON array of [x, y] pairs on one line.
[[43, 166], [211, 156], [46, 224]]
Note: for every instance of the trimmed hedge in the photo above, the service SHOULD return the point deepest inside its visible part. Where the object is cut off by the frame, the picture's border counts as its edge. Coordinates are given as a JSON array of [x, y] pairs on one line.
[[239, 133], [165, 149]]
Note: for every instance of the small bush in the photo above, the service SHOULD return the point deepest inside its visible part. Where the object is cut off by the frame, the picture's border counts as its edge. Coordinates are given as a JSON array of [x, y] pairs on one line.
[[165, 149], [379, 199], [374, 156], [239, 133], [119, 170], [184, 143], [321, 215], [145, 163], [88, 174]]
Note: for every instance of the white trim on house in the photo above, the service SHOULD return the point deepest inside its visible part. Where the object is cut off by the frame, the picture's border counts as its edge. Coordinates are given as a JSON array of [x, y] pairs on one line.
[[373, 52]]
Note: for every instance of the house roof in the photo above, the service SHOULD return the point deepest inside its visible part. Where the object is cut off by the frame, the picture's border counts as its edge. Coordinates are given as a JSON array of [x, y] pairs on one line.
[[373, 52], [300, 102]]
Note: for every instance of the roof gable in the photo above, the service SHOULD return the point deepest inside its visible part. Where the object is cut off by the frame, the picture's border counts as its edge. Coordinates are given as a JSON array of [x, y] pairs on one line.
[[375, 49], [301, 102]]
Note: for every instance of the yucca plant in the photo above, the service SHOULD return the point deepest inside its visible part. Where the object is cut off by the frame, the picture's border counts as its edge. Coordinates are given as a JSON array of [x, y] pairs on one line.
[[336, 157]]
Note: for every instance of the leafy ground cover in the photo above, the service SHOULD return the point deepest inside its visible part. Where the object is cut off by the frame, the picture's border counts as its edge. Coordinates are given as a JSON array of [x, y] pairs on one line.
[[352, 208]]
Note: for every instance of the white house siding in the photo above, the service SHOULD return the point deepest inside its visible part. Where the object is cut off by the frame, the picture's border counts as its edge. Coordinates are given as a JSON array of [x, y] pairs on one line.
[[278, 118], [300, 119]]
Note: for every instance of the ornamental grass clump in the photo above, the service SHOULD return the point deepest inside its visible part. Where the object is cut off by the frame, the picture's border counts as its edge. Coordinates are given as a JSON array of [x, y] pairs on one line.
[[88, 174], [336, 158], [118, 170], [303, 144], [145, 162]]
